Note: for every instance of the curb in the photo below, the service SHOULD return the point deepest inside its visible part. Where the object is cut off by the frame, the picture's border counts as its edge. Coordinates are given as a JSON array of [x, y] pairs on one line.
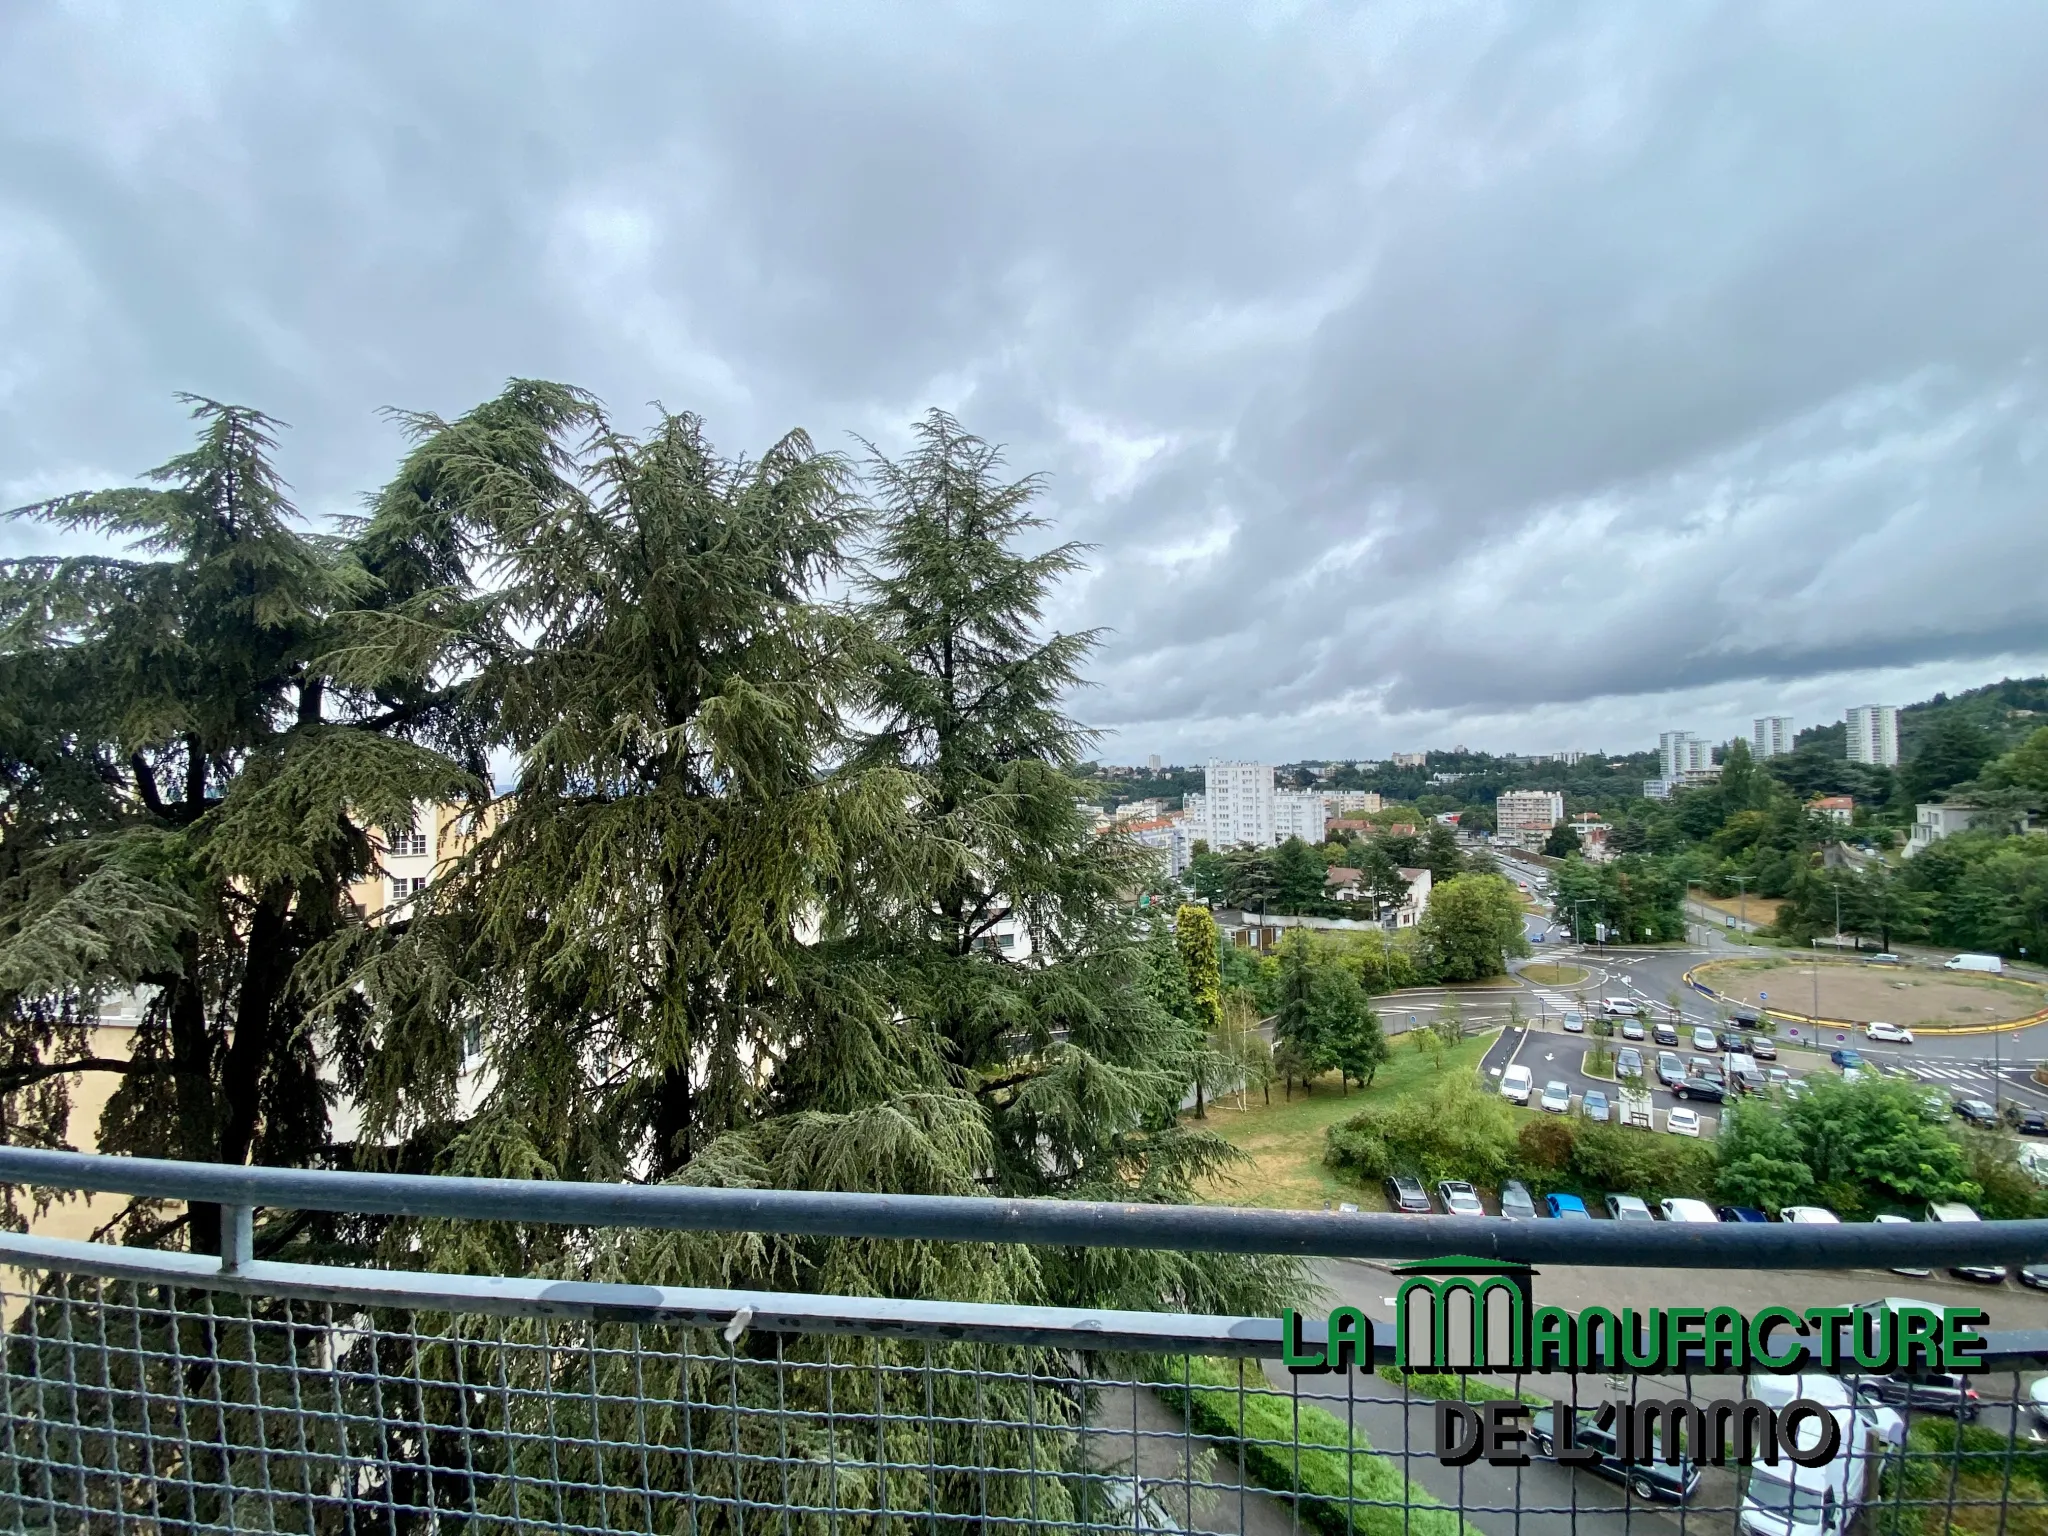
[[1932, 1031]]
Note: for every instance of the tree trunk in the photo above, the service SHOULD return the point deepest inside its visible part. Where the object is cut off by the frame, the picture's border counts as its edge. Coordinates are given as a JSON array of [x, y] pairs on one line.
[[264, 972], [192, 1083]]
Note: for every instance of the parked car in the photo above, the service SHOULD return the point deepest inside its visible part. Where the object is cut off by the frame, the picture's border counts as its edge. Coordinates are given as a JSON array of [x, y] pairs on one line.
[[2035, 1275], [1647, 1480], [1557, 1097], [1809, 1216], [1890, 1034], [1567, 1208], [1594, 1105], [1935, 1106], [1620, 1007], [1515, 1203], [1730, 1040], [1628, 1062], [1883, 957], [1459, 1198], [1664, 1034], [1954, 1211], [1575, 1023], [1628, 1208], [1405, 1193], [1703, 1039], [1977, 1112], [1989, 963], [1796, 1089], [1744, 1073], [2033, 1122], [1681, 1121], [1779, 1077], [1846, 1059], [1763, 1048], [1932, 1391], [1516, 1084], [1670, 1070], [1745, 1018], [1702, 1080], [1682, 1209], [1739, 1213], [1782, 1498], [1893, 1219]]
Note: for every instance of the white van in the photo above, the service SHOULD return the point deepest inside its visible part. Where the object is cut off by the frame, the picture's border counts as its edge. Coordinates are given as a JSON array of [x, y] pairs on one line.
[[1516, 1085], [1989, 963], [1791, 1500], [1955, 1210]]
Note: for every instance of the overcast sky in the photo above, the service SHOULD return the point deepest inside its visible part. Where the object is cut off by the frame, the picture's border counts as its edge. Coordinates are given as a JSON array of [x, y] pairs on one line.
[[1526, 377]]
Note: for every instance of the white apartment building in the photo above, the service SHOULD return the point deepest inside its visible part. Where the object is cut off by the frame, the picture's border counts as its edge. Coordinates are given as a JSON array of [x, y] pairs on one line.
[[1874, 735], [1680, 753], [1931, 823], [1409, 759], [1770, 736], [1525, 816], [1302, 813], [1236, 805]]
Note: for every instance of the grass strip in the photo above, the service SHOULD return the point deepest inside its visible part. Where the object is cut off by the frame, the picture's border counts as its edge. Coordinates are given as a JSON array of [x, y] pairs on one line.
[[1344, 1486]]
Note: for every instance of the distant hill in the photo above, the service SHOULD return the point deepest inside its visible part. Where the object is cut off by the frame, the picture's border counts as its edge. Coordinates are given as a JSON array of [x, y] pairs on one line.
[[2011, 710]]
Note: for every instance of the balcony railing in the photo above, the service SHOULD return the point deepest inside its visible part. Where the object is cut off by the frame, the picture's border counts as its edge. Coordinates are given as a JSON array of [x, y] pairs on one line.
[[156, 1391]]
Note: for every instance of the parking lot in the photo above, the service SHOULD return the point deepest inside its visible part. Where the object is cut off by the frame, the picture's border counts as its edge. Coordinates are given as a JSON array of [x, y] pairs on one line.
[[1551, 1053]]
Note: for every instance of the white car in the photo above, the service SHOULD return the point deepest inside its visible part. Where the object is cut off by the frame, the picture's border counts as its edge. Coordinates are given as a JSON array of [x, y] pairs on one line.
[[1891, 1034], [1688, 1210], [1956, 1211], [1893, 1219], [1557, 1097], [1516, 1085], [1682, 1121], [1810, 1216], [1618, 1007], [1704, 1040]]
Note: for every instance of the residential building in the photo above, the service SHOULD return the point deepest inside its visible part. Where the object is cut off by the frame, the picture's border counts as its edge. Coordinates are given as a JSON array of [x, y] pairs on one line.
[[1342, 884], [1874, 735], [1152, 763], [1592, 833], [1524, 817], [1349, 826], [1409, 759], [1680, 754], [1657, 789], [1840, 809], [1138, 810], [1931, 823], [1771, 736], [1300, 813], [1345, 802], [1237, 805]]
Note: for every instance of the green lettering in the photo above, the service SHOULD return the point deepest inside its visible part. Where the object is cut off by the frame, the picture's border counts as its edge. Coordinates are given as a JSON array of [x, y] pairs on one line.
[[1724, 1339], [1828, 1320], [1294, 1353], [1642, 1338], [1677, 1322], [1872, 1353], [1962, 1347], [1350, 1339], [1552, 1340], [1760, 1350], [1919, 1332], [1599, 1332]]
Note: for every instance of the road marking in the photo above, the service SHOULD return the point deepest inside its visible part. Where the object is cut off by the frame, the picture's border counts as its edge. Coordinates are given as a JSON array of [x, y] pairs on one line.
[[1951, 1074]]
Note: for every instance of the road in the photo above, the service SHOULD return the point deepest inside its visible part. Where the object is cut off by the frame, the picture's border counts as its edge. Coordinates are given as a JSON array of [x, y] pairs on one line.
[[1992, 1066]]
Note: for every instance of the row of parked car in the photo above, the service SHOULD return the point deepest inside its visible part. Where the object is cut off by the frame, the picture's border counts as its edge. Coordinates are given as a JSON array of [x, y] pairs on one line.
[[1457, 1197]]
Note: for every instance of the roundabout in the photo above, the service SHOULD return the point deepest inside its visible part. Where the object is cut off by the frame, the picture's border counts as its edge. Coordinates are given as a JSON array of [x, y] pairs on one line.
[[1852, 993]]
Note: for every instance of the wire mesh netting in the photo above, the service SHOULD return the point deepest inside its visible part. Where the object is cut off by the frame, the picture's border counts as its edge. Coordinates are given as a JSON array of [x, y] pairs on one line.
[[164, 1405]]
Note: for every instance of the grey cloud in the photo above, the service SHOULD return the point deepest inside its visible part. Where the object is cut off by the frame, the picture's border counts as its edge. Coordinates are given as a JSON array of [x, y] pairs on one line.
[[1539, 371]]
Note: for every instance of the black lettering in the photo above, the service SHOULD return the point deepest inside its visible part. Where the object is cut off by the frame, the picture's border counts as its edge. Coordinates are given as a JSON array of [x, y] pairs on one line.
[[1675, 1413], [1451, 1418], [1755, 1425], [1504, 1435], [1829, 1441], [1569, 1452]]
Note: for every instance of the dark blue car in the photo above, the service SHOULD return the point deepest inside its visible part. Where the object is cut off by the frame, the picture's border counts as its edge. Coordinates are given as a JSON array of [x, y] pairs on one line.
[[1567, 1207], [1740, 1213]]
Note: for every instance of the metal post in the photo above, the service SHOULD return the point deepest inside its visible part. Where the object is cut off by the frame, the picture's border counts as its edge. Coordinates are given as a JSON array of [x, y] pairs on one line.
[[237, 1238]]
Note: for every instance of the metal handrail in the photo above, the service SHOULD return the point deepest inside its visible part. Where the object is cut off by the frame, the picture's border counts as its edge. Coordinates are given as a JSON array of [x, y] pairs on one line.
[[1058, 1223]]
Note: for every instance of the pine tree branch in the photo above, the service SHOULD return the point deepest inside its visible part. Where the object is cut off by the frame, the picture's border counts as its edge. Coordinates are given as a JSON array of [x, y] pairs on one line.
[[25, 1077]]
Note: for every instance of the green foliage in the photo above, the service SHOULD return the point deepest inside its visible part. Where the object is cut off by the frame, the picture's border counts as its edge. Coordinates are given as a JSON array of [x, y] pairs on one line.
[[1637, 899], [1341, 1486], [1858, 1148], [1471, 927], [1562, 842], [1194, 934], [1451, 1130], [1952, 751]]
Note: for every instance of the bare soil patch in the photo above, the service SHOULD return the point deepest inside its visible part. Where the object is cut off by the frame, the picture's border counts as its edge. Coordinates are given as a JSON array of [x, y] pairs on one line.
[[1914, 998]]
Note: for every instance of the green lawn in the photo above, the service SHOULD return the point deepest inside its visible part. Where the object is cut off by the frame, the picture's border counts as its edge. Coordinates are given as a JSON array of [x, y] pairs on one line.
[[1285, 1138]]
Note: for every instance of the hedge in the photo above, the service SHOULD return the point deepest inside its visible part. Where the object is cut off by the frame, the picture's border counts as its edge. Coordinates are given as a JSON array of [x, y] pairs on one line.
[[1345, 1487]]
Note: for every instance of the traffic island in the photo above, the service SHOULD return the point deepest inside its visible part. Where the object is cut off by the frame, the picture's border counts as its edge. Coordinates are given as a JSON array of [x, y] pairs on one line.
[[1843, 994]]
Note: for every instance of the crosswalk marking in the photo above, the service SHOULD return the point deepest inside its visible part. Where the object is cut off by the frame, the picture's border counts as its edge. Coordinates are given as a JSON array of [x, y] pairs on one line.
[[1951, 1075]]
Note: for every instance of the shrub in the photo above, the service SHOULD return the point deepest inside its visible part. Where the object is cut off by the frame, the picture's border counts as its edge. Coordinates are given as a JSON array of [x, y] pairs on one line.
[[1453, 1130]]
